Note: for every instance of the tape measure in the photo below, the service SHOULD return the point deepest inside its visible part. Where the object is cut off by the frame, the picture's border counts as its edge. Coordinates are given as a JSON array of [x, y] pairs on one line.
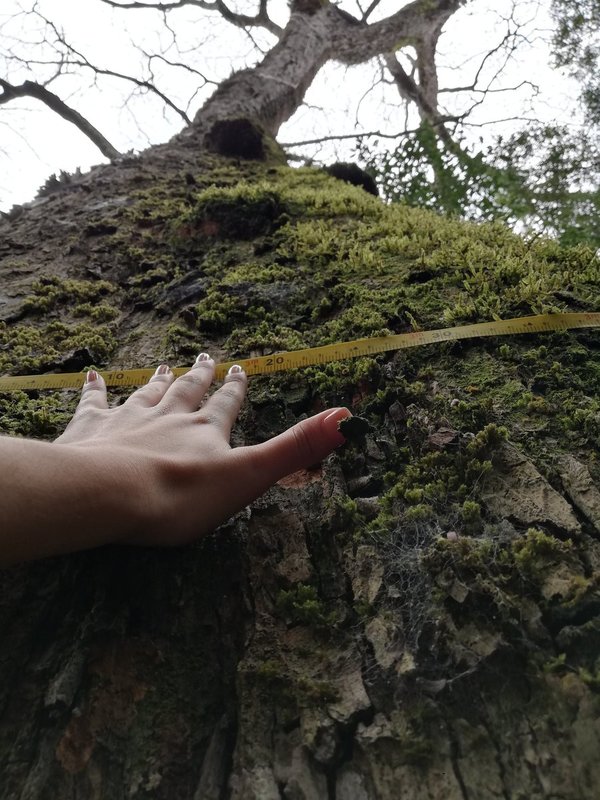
[[295, 359]]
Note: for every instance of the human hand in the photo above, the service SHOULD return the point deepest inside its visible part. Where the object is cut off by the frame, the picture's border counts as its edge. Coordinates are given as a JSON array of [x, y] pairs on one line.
[[176, 451]]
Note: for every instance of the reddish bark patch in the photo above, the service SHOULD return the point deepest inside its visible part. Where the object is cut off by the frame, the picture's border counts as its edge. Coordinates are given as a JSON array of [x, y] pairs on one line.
[[209, 227], [76, 746], [116, 689], [442, 438], [303, 477]]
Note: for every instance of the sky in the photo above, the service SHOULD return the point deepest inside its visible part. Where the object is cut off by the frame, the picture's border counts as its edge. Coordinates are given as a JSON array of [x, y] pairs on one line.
[[35, 142]]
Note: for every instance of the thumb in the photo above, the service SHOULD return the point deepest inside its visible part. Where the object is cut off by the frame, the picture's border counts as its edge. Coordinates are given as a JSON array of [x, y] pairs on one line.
[[304, 444]]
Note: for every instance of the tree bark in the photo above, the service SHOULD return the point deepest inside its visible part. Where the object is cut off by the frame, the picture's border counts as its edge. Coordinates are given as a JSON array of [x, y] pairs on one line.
[[415, 618]]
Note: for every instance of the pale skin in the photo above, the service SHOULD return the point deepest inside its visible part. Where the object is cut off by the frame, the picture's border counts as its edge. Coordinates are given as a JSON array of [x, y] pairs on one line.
[[157, 470]]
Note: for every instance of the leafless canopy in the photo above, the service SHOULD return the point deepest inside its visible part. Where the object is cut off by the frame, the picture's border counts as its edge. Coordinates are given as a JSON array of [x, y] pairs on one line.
[[287, 51]]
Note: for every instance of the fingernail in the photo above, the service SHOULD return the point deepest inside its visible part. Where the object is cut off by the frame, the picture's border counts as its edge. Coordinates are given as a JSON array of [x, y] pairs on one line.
[[91, 376], [202, 358], [235, 369], [162, 370], [339, 414]]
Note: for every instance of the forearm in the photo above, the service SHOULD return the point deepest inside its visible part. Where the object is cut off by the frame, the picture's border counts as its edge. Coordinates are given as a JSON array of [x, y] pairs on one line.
[[60, 498]]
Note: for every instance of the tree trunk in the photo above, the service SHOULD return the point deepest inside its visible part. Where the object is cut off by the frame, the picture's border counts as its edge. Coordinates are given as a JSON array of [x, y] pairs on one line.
[[415, 618]]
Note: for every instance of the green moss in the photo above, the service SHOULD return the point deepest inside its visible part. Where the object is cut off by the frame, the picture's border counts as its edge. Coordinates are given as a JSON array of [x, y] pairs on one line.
[[499, 572], [43, 417], [102, 312], [150, 277], [316, 692], [419, 513], [487, 440], [591, 679], [581, 588], [471, 516], [535, 551], [241, 212], [218, 311], [414, 495], [440, 485], [288, 689], [346, 512], [264, 336], [555, 665], [302, 605], [257, 273], [29, 349], [339, 378], [271, 671], [50, 291], [179, 341]]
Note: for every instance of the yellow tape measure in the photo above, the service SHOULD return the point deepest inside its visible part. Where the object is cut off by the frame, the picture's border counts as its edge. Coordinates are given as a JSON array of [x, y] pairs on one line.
[[294, 359]]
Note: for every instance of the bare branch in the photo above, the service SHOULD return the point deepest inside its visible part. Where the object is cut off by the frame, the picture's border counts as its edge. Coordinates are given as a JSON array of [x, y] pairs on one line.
[[370, 10], [82, 61], [261, 19], [31, 89], [341, 136], [454, 89]]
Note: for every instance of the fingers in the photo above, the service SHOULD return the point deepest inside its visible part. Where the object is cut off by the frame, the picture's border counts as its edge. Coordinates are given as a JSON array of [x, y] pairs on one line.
[[184, 394], [93, 392], [222, 408], [93, 399], [304, 444], [150, 394], [189, 390]]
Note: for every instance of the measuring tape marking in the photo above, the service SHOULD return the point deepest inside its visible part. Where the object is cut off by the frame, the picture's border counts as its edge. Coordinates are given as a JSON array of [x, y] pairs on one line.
[[309, 356]]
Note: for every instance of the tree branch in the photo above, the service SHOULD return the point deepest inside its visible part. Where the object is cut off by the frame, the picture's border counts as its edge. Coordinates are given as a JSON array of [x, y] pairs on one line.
[[31, 89], [354, 42], [260, 19], [272, 91], [82, 61], [410, 90], [364, 135]]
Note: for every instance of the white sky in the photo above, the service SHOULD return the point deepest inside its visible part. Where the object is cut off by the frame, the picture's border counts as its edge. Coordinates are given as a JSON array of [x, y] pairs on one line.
[[35, 142]]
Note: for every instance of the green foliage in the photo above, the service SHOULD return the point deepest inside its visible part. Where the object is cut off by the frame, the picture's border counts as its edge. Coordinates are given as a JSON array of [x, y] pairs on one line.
[[427, 172], [556, 665], [542, 179], [576, 46], [560, 169]]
